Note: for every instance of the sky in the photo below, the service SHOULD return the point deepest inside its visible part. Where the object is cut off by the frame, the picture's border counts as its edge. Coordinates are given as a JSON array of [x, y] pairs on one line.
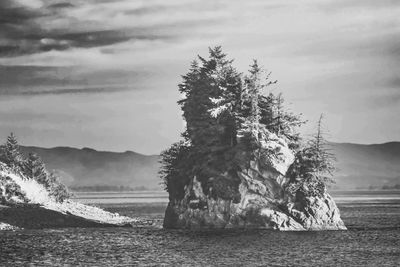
[[104, 73]]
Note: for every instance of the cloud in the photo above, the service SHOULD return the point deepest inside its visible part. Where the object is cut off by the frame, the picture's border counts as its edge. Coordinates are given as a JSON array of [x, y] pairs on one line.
[[340, 5], [46, 80], [14, 14], [34, 28], [107, 43], [60, 5], [89, 90], [387, 94], [340, 57]]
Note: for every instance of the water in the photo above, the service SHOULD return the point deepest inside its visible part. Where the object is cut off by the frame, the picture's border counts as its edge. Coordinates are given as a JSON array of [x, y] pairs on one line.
[[121, 197], [373, 239]]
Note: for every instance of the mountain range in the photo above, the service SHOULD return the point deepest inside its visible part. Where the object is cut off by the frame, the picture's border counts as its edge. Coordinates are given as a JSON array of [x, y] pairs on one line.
[[88, 167], [367, 166], [359, 166]]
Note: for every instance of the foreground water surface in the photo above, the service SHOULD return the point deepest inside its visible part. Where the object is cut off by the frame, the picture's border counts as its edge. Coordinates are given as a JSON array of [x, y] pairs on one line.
[[373, 239]]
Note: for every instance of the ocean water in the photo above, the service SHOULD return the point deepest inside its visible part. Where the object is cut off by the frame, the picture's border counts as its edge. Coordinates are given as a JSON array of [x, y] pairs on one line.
[[373, 239]]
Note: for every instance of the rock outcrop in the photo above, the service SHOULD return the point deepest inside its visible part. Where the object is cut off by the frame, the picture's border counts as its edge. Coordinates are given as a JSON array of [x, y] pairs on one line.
[[27, 204], [263, 202]]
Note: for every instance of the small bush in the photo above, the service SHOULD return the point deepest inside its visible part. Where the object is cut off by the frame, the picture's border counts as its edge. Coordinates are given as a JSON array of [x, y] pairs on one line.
[[56, 189], [175, 171], [9, 189]]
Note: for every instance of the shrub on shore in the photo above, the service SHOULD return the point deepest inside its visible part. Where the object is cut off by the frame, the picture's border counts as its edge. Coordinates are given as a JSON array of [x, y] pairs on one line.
[[31, 167]]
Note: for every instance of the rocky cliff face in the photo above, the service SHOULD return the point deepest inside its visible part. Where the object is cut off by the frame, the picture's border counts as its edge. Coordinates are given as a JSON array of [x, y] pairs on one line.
[[263, 202]]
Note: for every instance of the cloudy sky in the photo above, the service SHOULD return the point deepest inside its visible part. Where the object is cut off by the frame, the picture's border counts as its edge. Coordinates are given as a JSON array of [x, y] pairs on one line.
[[104, 73]]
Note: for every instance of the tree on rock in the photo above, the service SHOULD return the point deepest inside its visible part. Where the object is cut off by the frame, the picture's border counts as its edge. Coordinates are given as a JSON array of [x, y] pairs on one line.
[[314, 165], [211, 93], [241, 156], [280, 120], [175, 170], [228, 120]]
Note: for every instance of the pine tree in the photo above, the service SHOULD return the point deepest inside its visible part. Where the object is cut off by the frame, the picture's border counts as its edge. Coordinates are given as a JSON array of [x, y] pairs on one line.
[[212, 93], [175, 169], [250, 108], [253, 90], [196, 88], [56, 188], [279, 120], [322, 158], [313, 167], [253, 112], [34, 168], [266, 104], [211, 101], [10, 153]]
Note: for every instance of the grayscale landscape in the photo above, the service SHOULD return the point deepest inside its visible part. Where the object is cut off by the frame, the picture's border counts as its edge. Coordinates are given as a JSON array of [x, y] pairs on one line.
[[199, 133]]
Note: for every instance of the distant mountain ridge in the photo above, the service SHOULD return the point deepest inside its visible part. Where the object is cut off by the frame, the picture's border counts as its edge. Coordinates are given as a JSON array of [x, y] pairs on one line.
[[360, 166], [88, 167], [367, 166]]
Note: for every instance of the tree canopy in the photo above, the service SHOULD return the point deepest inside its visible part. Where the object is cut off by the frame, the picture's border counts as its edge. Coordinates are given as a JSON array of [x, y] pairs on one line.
[[226, 114]]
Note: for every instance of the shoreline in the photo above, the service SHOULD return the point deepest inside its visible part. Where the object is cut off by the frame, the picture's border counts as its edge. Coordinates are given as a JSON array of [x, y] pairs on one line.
[[35, 216]]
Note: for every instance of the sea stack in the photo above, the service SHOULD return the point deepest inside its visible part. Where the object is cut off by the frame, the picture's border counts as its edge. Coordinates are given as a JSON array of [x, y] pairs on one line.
[[261, 201], [242, 164]]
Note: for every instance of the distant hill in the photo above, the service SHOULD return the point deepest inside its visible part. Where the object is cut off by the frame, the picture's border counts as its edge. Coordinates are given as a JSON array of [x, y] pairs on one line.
[[364, 166], [360, 166], [89, 167]]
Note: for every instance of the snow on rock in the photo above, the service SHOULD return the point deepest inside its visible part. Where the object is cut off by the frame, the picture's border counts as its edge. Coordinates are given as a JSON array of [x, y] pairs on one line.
[[284, 156], [7, 227], [280, 156], [89, 212], [34, 192]]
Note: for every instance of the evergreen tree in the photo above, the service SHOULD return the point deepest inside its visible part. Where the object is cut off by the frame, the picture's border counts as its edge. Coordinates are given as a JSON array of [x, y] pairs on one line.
[[321, 155], [56, 188], [34, 168], [211, 103], [265, 104], [10, 154], [314, 165], [175, 169], [196, 89], [250, 110], [253, 89], [279, 120], [212, 92]]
